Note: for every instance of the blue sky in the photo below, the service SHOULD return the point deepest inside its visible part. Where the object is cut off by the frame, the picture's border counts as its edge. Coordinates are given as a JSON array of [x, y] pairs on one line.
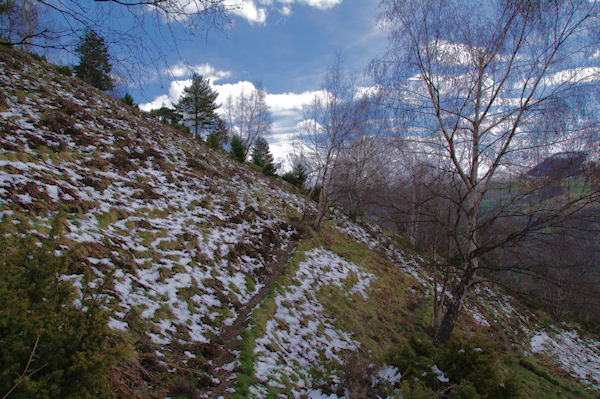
[[286, 45]]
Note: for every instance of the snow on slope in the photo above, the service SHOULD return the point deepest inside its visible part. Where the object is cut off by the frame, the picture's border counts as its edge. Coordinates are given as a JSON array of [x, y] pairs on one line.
[[186, 233], [579, 356], [300, 330]]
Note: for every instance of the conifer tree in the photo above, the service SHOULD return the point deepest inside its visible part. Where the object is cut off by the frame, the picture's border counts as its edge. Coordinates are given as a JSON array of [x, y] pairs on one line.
[[213, 141], [238, 150], [167, 115], [300, 174], [262, 157], [94, 62], [197, 104], [297, 176], [127, 99]]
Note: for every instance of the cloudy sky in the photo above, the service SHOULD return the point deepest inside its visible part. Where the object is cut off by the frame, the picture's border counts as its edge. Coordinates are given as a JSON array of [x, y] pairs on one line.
[[285, 45]]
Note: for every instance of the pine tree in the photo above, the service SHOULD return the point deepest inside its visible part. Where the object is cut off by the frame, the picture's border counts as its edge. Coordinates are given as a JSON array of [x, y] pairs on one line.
[[213, 141], [127, 99], [300, 175], [197, 104], [167, 115], [270, 169], [94, 62], [238, 150], [297, 176], [261, 156]]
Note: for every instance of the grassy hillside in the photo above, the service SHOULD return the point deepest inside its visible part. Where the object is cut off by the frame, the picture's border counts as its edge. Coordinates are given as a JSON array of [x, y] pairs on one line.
[[195, 277]]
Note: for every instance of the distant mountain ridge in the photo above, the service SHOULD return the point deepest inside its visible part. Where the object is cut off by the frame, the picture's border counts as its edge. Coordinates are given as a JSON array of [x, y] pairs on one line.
[[562, 164]]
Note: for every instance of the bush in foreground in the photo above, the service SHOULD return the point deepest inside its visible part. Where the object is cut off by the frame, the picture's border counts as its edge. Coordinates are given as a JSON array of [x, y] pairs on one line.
[[54, 341]]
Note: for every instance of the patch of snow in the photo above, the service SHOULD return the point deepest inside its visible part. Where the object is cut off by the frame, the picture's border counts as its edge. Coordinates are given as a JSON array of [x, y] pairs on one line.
[[579, 356], [439, 374], [390, 374], [299, 327], [25, 198], [117, 324]]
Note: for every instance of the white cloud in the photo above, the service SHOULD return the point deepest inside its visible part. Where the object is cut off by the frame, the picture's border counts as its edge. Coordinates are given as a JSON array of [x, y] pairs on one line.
[[320, 4], [289, 102], [286, 10], [254, 11], [181, 69], [368, 91], [158, 102], [248, 10], [574, 75], [450, 53], [167, 100], [232, 89]]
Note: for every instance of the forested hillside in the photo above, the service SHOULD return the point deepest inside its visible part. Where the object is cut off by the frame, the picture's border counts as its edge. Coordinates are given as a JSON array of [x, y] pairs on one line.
[[139, 263]]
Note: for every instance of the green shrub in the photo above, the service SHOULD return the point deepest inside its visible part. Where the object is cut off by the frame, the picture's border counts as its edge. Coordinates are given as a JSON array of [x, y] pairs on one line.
[[469, 365], [127, 99], [64, 69], [38, 57], [297, 176], [416, 389], [212, 140], [54, 342], [466, 390], [238, 150], [316, 193]]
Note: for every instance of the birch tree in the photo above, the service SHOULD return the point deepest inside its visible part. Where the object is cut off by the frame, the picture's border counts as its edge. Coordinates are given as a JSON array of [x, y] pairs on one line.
[[248, 115], [336, 116], [479, 80]]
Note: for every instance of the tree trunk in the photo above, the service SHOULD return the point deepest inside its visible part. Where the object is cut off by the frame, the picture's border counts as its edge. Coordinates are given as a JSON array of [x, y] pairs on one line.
[[438, 306], [443, 333], [322, 209]]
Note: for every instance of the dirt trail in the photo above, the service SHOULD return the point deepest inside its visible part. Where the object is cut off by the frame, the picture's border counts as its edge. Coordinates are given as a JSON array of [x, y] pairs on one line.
[[228, 341]]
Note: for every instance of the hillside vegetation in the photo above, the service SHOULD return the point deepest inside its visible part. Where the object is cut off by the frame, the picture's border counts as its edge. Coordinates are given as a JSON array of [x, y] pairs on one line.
[[138, 263]]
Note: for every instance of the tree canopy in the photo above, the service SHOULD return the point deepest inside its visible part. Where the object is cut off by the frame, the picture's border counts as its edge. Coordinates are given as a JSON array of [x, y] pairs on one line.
[[262, 157], [94, 62], [297, 176], [238, 150], [197, 104]]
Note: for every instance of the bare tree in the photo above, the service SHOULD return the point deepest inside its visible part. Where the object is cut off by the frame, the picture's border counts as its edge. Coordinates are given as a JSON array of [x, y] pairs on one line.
[[337, 115], [359, 177], [19, 22], [137, 32], [478, 83], [248, 115]]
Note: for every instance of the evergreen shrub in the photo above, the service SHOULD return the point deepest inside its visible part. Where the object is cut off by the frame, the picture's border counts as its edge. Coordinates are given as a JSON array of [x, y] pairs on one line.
[[54, 341]]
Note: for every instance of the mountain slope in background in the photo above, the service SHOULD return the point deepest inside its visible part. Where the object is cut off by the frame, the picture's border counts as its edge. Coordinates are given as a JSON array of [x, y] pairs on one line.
[[214, 284]]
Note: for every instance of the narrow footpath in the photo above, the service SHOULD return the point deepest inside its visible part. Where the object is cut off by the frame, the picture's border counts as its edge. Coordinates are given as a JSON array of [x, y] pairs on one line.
[[229, 340]]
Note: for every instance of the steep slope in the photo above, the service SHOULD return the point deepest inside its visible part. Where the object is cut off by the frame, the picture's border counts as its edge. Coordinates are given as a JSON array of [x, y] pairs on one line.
[[214, 287], [187, 235]]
